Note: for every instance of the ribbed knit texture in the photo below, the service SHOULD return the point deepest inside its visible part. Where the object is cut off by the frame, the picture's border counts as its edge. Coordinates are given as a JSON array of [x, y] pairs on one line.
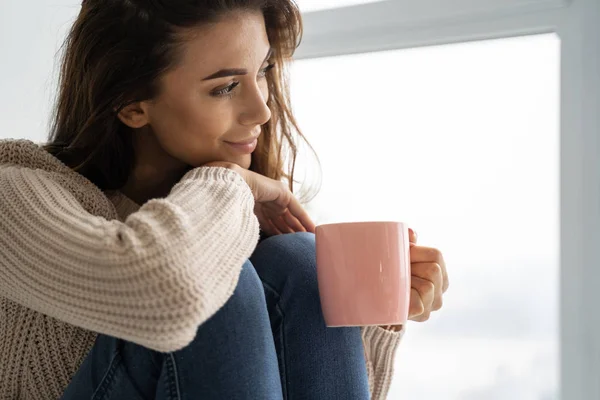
[[73, 262], [380, 351]]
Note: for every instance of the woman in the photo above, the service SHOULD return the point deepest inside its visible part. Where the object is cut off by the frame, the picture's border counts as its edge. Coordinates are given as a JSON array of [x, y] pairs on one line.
[[129, 264]]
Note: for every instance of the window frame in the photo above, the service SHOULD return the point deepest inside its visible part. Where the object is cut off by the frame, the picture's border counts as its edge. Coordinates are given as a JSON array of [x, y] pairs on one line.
[[401, 24]]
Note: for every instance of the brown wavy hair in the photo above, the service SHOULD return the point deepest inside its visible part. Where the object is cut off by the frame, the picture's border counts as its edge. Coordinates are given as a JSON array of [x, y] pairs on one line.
[[114, 55]]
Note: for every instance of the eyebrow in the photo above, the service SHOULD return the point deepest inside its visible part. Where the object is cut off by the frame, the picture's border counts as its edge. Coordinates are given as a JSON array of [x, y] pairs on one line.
[[234, 71]]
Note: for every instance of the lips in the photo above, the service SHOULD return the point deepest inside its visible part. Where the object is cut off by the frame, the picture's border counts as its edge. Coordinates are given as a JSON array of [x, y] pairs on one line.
[[244, 142], [246, 146]]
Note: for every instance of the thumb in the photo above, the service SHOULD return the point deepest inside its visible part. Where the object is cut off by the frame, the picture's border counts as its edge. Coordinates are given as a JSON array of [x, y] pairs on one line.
[[412, 236]]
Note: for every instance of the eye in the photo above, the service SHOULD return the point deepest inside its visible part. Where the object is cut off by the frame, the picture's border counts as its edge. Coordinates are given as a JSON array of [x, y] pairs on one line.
[[228, 91], [263, 72], [225, 91]]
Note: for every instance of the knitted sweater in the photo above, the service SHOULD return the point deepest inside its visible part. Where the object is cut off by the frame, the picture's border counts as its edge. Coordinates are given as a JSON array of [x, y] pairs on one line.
[[73, 263]]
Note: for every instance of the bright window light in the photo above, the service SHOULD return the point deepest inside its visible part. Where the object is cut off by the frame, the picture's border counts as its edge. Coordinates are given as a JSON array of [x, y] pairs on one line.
[[462, 142]]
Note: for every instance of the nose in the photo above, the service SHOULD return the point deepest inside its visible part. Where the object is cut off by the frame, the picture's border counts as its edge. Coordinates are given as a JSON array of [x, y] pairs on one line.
[[255, 110]]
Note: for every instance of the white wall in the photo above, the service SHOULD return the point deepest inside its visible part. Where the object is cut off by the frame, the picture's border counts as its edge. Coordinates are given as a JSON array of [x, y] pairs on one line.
[[31, 33]]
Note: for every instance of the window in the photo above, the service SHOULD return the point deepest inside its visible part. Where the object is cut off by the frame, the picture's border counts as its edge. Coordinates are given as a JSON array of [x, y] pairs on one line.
[[462, 142]]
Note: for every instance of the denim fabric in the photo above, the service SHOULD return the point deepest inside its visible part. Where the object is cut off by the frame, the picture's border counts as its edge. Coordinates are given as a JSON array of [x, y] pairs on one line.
[[269, 341]]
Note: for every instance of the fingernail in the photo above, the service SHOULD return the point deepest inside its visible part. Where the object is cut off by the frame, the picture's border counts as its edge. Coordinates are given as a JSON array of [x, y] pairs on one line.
[[414, 234]]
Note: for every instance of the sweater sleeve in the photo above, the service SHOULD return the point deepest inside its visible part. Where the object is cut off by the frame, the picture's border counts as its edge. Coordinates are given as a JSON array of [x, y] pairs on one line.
[[152, 279], [380, 352]]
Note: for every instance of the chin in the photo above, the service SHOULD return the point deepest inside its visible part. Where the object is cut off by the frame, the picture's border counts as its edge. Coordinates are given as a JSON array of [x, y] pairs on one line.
[[244, 162]]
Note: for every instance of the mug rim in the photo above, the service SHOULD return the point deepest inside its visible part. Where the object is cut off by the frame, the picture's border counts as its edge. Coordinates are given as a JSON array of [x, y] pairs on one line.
[[361, 223]]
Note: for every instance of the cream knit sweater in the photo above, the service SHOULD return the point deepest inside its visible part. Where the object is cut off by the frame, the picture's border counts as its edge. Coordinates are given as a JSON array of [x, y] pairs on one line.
[[73, 262]]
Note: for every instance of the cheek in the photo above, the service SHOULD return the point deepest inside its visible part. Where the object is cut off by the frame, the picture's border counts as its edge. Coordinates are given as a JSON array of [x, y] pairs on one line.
[[190, 132]]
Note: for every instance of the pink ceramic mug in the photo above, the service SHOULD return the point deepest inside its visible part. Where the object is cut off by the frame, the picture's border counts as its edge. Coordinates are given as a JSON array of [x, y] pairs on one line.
[[363, 271]]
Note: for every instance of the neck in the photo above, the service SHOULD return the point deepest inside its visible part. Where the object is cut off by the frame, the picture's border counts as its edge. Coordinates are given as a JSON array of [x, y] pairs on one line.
[[146, 183], [155, 172]]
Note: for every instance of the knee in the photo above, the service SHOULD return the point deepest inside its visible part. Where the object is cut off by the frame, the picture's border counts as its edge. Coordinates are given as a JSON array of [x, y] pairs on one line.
[[290, 258], [296, 247], [249, 292]]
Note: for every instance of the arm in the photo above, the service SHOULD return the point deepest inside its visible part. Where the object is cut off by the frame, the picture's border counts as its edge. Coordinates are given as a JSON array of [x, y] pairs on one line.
[[151, 280], [380, 352]]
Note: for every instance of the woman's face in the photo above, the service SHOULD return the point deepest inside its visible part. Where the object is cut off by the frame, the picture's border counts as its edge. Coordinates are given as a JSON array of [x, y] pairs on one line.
[[213, 103]]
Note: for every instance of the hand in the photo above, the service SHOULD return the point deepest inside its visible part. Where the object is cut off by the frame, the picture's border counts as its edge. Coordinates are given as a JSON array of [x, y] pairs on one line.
[[429, 281], [277, 209]]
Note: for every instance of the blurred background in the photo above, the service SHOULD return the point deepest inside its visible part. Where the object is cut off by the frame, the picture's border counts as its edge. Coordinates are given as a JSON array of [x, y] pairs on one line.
[[461, 141]]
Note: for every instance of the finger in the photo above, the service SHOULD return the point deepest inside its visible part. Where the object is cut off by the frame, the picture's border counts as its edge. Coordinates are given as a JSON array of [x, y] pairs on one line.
[[282, 220], [265, 224], [433, 273], [416, 307], [280, 224], [293, 222], [300, 213], [412, 236], [446, 282], [429, 254], [272, 228], [421, 318], [426, 292], [269, 230]]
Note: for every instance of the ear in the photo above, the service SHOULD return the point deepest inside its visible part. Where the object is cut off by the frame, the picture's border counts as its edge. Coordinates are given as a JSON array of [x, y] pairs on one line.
[[135, 115]]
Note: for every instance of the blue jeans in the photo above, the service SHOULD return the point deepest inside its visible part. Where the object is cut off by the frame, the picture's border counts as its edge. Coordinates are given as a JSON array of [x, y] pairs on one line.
[[269, 341]]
